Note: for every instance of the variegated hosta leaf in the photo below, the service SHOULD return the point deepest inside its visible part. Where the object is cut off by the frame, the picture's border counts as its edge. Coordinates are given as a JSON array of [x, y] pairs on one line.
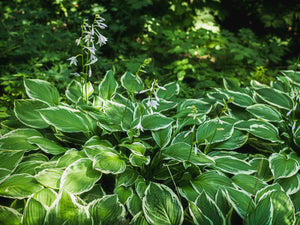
[[134, 204], [107, 210], [211, 182], [109, 162], [27, 111], [170, 90], [50, 177], [198, 217], [162, 137], [68, 120], [265, 112], [69, 157], [276, 98], [131, 82], [67, 210], [79, 177], [108, 86], [34, 213], [123, 193], [139, 219], [239, 99], [9, 216], [237, 140], [46, 196], [240, 201], [127, 178], [139, 161], [229, 164], [262, 214], [184, 152], [42, 90], [87, 90], [290, 185], [135, 147], [248, 183], [19, 186], [17, 140], [282, 166], [210, 209], [47, 145], [283, 209], [267, 189], [161, 205], [156, 121], [261, 129], [74, 91], [262, 167], [10, 159], [214, 131]]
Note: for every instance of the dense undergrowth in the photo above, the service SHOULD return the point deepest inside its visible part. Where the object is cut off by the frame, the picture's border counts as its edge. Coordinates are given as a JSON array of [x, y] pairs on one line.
[[206, 131]]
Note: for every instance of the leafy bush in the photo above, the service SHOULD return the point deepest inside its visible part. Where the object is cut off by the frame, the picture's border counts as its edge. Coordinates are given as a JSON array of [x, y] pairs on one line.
[[129, 152]]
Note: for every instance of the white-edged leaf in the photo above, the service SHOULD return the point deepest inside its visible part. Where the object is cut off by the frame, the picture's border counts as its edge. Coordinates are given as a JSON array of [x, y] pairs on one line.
[[34, 213], [74, 91], [282, 166], [156, 121], [9, 216], [290, 185], [237, 140], [248, 183], [46, 145], [79, 177], [265, 112], [108, 86], [131, 82], [41, 90], [162, 137], [27, 111], [198, 217], [109, 162], [229, 164], [50, 177], [161, 205]]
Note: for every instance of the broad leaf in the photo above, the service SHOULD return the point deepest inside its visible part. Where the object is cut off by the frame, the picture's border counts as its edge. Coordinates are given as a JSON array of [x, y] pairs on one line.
[[138, 160], [41, 90], [156, 121], [109, 162], [47, 145], [79, 177], [34, 213], [27, 111], [135, 147], [282, 166], [68, 120], [50, 177], [171, 89], [290, 185], [198, 217], [87, 90], [131, 82], [74, 91], [184, 152], [45, 196], [19, 186], [275, 98], [10, 159], [161, 205], [162, 137], [237, 140], [9, 216], [108, 86], [229, 164], [265, 112], [248, 183]]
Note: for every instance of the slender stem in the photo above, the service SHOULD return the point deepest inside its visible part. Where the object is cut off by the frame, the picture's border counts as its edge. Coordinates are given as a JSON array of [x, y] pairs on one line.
[[172, 178]]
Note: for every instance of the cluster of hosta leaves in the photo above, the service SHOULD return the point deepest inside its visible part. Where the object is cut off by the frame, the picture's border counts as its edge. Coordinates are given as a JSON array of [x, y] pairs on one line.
[[127, 158]]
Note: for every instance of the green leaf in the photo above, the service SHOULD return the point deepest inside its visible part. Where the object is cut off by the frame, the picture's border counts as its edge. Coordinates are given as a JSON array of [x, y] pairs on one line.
[[45, 196], [201, 106], [108, 86], [138, 160], [240, 201], [131, 82], [68, 120], [183, 152], [265, 112], [19, 186], [282, 166], [69, 157], [107, 210], [127, 178], [162, 137], [198, 217], [79, 177], [123, 193], [248, 183], [135, 147], [261, 129], [87, 90], [34, 213], [74, 91], [41, 90], [134, 204], [66, 210], [171, 90], [290, 185], [109, 162], [9, 216], [211, 182], [275, 98], [283, 209], [239, 99], [139, 219], [161, 205], [237, 140], [262, 214], [50, 177], [213, 132], [262, 165], [229, 164], [47, 145], [210, 209], [27, 111], [17, 140], [156, 121], [10, 159]]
